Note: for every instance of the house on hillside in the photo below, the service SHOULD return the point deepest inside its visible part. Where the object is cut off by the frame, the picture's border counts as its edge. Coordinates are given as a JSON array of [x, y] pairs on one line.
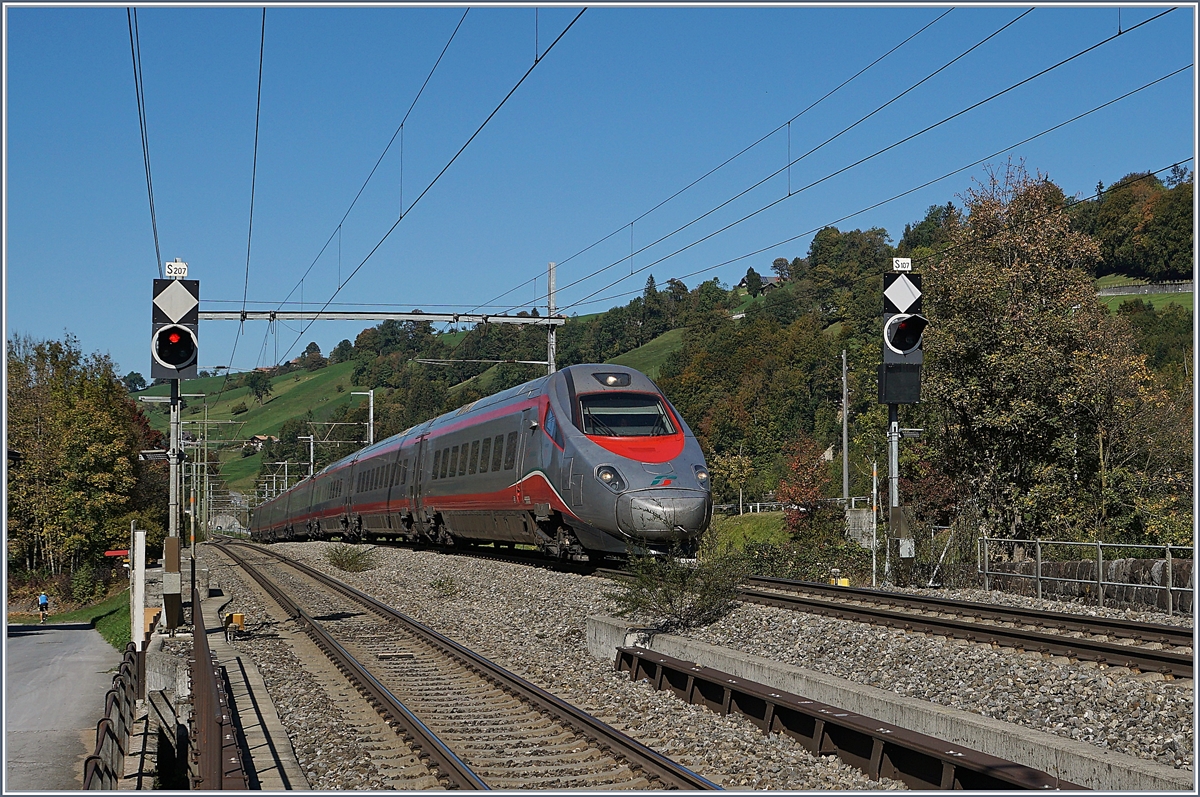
[[260, 440], [768, 283]]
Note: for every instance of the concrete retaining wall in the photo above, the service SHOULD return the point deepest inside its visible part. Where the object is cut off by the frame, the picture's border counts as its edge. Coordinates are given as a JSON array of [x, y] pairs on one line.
[[1122, 578], [165, 672], [1074, 761]]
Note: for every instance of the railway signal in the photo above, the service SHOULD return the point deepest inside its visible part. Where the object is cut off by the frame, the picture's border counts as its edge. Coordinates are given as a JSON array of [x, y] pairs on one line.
[[903, 333], [174, 350], [900, 382], [174, 341]]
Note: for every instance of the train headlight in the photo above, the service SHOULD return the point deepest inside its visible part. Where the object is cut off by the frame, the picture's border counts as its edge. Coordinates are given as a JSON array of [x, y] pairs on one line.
[[609, 477], [702, 476]]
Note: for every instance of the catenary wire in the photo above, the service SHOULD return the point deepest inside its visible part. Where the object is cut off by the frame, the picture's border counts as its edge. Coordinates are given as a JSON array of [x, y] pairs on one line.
[[793, 161], [135, 53], [730, 159], [253, 179], [392, 140], [433, 182], [908, 191], [844, 169]]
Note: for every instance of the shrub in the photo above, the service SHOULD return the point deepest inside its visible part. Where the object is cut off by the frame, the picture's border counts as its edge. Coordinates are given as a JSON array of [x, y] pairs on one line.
[[680, 593], [86, 584], [351, 558], [445, 586], [239, 408], [812, 556]]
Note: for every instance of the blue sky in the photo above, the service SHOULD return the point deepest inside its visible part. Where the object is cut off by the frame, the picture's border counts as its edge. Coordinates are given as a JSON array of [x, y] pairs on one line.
[[630, 106]]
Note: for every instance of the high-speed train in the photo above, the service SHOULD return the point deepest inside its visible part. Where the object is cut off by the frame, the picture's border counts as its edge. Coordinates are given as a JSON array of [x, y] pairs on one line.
[[589, 461]]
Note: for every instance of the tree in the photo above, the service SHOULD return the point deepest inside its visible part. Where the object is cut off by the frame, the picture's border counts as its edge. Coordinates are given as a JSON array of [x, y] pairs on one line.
[[1040, 403], [134, 381], [341, 352], [782, 268], [79, 434], [259, 383], [804, 485], [730, 471], [753, 282]]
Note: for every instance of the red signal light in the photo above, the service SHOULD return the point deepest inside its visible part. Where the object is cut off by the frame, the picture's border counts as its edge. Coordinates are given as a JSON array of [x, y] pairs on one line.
[[174, 337]]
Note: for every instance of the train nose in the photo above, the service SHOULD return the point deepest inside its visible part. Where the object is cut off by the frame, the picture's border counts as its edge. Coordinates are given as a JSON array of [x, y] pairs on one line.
[[659, 514]]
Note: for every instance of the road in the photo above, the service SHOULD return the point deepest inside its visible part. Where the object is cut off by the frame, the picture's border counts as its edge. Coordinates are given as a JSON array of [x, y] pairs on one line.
[[55, 678]]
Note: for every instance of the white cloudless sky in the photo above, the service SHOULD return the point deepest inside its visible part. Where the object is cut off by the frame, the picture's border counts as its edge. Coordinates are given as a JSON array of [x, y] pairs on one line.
[[631, 105]]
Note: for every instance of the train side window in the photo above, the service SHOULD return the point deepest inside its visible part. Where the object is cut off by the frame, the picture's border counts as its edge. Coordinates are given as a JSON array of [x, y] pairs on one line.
[[437, 462], [485, 454], [497, 451], [454, 461], [404, 476], [445, 461], [510, 451], [551, 427], [462, 462], [474, 464]]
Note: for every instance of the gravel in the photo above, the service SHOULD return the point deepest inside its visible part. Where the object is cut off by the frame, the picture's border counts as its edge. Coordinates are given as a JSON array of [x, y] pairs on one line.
[[533, 622]]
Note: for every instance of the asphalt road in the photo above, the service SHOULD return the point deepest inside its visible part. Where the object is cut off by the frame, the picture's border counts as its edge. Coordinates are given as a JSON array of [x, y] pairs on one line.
[[55, 680]]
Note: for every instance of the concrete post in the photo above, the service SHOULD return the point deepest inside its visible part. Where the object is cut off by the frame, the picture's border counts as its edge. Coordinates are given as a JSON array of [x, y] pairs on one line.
[[1038, 572], [137, 568]]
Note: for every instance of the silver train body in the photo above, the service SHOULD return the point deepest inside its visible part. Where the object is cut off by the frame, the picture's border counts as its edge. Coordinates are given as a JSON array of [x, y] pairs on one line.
[[591, 460]]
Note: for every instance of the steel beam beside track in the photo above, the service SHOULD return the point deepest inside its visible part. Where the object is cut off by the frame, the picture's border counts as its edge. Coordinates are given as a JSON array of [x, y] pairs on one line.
[[879, 749]]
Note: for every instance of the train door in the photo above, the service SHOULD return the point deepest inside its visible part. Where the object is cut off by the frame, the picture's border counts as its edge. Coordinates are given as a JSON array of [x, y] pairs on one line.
[[416, 478], [528, 458]]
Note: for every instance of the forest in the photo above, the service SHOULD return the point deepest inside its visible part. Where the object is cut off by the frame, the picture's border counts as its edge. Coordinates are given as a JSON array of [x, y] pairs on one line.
[[1044, 414]]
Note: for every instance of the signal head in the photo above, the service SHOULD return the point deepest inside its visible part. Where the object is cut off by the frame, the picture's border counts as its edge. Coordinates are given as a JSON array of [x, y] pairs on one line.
[[174, 347]]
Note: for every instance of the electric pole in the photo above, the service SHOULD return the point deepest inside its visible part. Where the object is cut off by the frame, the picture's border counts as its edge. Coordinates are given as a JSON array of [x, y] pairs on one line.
[[551, 342], [845, 435]]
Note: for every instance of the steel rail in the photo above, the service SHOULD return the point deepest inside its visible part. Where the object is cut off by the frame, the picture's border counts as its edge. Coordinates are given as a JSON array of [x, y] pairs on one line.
[[1110, 653], [449, 765], [1061, 621], [653, 764]]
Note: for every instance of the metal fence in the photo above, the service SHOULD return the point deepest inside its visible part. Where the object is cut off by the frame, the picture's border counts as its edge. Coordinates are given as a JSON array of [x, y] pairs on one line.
[[216, 757], [105, 767], [1174, 594]]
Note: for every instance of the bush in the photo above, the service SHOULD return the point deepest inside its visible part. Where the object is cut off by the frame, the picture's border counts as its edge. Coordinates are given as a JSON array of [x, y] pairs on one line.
[[680, 593], [239, 408], [351, 558], [86, 585], [812, 557]]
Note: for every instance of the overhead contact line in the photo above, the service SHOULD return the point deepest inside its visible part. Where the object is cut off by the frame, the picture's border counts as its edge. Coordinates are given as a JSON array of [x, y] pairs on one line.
[[253, 180], [433, 182], [844, 169], [913, 190], [793, 161], [732, 158], [399, 131], [135, 51]]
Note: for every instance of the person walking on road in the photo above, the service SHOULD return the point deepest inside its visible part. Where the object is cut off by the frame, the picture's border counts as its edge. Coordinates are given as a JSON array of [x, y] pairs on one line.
[[43, 606]]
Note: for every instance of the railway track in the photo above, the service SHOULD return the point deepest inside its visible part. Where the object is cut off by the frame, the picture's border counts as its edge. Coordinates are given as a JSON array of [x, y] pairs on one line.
[[1141, 646], [478, 725]]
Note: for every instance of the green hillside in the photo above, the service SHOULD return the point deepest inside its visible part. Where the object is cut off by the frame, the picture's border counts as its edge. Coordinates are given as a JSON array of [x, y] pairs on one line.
[[649, 358], [292, 395]]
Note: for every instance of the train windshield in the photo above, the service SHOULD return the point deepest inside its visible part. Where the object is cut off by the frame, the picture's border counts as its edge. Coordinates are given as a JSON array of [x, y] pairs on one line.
[[624, 415]]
